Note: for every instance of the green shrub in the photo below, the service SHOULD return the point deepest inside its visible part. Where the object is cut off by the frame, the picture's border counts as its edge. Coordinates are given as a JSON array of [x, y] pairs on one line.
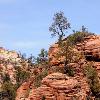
[[39, 77], [43, 97], [21, 75], [77, 37], [6, 78], [93, 80], [69, 70], [9, 89]]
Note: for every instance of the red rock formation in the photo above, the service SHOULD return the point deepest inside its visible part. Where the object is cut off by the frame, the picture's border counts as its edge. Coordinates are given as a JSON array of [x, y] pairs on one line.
[[8, 61], [52, 53], [90, 47], [7, 58], [58, 86], [23, 90]]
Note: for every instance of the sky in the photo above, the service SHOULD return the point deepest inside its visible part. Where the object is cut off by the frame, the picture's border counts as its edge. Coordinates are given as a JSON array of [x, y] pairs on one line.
[[24, 24]]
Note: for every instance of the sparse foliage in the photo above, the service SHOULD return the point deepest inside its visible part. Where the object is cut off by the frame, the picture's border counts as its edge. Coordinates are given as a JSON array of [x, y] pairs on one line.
[[6, 78], [42, 57], [9, 90], [78, 36], [39, 77], [59, 26], [21, 75], [43, 97], [31, 60], [66, 53], [93, 80]]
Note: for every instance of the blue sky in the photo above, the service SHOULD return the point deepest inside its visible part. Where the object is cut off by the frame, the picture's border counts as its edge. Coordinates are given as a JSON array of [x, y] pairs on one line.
[[24, 23]]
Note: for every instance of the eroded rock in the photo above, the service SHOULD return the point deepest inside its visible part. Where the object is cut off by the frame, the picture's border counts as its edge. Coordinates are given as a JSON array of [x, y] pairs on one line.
[[58, 86]]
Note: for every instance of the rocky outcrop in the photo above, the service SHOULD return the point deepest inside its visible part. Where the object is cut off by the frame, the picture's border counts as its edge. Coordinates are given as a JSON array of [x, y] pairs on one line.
[[23, 91], [9, 70], [58, 86], [7, 60], [8, 55], [91, 47], [52, 54]]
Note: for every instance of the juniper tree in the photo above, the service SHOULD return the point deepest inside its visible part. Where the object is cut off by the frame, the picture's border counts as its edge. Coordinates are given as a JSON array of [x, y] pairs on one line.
[[42, 56], [59, 26]]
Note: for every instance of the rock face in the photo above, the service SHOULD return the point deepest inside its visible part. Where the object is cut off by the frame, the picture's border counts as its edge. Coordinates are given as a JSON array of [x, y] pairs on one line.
[[23, 90], [58, 86], [7, 60], [52, 53], [91, 47]]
